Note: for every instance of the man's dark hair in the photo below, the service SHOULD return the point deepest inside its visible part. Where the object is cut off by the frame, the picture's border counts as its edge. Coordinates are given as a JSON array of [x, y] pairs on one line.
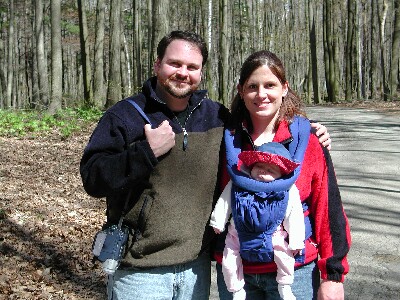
[[190, 37]]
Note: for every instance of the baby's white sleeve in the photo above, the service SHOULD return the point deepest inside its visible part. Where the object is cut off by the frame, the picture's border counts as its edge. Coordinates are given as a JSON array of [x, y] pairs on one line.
[[294, 220], [222, 210]]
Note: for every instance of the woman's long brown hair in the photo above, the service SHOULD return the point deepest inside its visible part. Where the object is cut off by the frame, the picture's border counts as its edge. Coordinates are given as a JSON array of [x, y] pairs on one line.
[[291, 103]]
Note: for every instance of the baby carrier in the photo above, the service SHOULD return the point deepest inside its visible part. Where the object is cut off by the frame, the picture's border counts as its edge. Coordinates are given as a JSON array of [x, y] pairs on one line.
[[258, 208]]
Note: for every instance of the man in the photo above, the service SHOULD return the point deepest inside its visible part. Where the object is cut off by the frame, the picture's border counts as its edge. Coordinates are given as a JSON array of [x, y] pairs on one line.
[[171, 168]]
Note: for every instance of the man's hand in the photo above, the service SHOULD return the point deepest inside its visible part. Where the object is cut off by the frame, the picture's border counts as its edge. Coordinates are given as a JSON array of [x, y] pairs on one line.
[[331, 290], [323, 135], [161, 139]]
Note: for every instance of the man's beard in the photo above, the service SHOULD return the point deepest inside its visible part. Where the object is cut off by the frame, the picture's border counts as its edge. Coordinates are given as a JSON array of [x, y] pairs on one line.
[[172, 87]]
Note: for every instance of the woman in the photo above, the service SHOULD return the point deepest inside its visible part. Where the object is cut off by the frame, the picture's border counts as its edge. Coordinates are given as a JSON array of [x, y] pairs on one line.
[[265, 109]]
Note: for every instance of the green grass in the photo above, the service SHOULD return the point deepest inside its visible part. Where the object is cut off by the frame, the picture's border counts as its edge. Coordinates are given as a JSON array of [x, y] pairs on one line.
[[20, 123]]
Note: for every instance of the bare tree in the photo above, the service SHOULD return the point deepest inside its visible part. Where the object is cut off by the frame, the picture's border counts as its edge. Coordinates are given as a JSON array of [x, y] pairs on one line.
[[3, 81], [351, 10], [33, 71], [98, 78], [313, 54], [10, 55], [126, 68], [84, 43], [114, 92], [137, 44], [373, 80], [41, 55], [382, 22], [210, 39], [361, 92], [330, 51], [160, 24], [223, 52], [56, 57], [150, 59], [395, 55]]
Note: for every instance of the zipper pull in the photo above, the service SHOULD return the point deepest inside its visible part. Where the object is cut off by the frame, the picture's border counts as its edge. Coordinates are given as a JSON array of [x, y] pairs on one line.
[[185, 139]]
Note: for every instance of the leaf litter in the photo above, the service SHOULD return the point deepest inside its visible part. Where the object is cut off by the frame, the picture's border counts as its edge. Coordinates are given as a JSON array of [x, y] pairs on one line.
[[47, 221]]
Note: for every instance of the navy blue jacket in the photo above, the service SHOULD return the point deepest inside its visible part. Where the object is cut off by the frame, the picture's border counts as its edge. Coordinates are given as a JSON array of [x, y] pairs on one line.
[[173, 195]]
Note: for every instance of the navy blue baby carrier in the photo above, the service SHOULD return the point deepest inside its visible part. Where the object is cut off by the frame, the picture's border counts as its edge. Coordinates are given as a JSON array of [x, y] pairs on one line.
[[258, 208]]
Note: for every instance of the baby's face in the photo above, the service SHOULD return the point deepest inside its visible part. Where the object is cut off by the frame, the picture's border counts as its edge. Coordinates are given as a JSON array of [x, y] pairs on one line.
[[265, 172]]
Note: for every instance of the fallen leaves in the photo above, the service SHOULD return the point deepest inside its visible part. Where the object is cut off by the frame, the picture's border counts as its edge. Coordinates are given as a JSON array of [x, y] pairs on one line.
[[47, 221]]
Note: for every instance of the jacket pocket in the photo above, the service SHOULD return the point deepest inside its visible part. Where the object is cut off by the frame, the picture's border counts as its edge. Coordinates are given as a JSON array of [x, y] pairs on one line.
[[136, 220]]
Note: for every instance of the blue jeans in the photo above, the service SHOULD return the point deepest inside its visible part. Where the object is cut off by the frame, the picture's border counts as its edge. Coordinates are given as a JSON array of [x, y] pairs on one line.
[[265, 287], [178, 282]]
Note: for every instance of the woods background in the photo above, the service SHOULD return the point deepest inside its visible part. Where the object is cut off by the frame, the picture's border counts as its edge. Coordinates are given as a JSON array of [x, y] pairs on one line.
[[65, 53]]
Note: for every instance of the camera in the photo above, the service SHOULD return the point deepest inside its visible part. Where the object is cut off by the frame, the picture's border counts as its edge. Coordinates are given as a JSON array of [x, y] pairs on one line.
[[109, 245]]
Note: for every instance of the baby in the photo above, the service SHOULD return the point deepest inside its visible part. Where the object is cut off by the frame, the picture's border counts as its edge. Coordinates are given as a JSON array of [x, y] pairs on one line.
[[270, 162]]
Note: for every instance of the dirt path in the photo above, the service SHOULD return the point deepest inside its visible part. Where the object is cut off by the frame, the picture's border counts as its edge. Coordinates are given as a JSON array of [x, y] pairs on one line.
[[366, 156]]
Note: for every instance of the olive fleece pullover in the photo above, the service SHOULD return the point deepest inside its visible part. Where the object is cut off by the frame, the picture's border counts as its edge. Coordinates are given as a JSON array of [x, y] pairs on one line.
[[172, 196]]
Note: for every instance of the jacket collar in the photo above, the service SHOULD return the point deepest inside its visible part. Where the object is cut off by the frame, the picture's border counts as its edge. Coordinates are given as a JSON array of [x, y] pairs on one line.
[[282, 135]]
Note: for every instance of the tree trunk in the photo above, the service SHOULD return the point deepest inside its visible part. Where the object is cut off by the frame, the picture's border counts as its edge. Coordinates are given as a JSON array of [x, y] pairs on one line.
[[98, 78], [56, 57], [26, 67], [114, 80], [223, 52], [326, 38], [126, 69], [41, 55], [209, 74], [330, 52], [373, 78], [361, 93], [10, 55], [160, 24], [395, 55], [351, 5], [150, 59], [84, 43], [3, 80], [137, 45], [313, 53], [17, 90], [382, 23], [335, 12]]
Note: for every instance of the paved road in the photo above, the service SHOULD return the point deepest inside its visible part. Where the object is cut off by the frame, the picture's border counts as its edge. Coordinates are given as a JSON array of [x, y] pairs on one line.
[[366, 155]]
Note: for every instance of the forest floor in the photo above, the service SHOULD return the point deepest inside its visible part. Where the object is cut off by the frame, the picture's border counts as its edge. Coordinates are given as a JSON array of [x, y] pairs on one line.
[[47, 221]]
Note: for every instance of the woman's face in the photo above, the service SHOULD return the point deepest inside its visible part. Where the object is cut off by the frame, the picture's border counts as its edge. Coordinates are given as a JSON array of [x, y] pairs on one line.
[[262, 93]]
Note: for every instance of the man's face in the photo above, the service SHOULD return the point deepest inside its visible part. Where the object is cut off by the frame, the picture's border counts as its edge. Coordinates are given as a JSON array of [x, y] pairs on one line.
[[179, 72]]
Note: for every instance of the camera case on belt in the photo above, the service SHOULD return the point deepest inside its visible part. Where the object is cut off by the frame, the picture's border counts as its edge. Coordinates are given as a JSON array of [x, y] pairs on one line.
[[109, 245]]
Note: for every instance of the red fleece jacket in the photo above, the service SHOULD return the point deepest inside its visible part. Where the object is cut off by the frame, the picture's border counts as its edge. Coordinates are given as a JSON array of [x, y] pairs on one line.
[[318, 188]]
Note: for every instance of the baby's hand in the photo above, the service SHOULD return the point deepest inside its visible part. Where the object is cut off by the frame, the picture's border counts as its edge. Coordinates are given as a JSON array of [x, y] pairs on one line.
[[239, 295], [216, 230]]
